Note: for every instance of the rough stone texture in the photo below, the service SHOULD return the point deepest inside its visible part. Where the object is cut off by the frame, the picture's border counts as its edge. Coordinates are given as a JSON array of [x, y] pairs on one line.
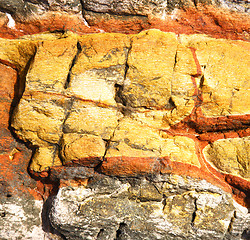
[[223, 97], [20, 218], [19, 212], [227, 19], [230, 155], [139, 92], [155, 6], [165, 115], [110, 208], [142, 107]]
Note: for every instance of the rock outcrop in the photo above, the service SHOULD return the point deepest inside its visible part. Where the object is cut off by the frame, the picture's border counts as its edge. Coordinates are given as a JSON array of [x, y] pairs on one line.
[[113, 135], [222, 18], [162, 207]]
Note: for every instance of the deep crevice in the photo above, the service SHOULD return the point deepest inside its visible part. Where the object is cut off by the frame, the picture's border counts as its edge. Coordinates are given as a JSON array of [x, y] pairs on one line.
[[175, 60], [164, 202], [119, 98], [82, 14], [171, 104], [46, 222], [100, 234], [120, 230], [194, 213], [195, 3], [67, 113], [230, 226], [202, 82], [79, 49]]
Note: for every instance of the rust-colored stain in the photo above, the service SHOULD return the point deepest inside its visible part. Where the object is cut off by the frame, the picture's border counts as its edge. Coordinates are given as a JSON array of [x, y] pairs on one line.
[[215, 22], [14, 156]]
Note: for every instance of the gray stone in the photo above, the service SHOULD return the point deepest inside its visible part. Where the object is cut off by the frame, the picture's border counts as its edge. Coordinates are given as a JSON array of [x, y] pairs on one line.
[[112, 208], [158, 7], [20, 218], [139, 7], [22, 9]]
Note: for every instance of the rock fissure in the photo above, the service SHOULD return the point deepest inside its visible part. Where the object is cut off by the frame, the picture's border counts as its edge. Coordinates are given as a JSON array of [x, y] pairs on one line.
[[194, 212], [79, 49], [120, 230]]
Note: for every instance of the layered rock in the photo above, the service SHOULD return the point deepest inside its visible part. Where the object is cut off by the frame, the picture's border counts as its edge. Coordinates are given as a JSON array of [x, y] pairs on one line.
[[129, 97], [227, 19], [150, 121]]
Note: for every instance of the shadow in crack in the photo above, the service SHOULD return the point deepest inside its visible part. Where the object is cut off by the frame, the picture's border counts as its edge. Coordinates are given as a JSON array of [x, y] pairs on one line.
[[246, 234], [47, 227]]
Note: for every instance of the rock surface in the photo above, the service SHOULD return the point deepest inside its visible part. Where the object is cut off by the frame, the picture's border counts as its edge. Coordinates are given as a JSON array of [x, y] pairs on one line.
[[163, 207], [230, 155], [124, 136], [129, 96], [223, 18], [149, 110]]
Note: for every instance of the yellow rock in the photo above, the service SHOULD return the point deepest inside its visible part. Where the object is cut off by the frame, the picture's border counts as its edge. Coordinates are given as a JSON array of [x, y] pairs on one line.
[[44, 158], [125, 90], [19, 52], [100, 65], [39, 118], [101, 51], [226, 85], [80, 146], [133, 139], [90, 119], [159, 78], [230, 156], [181, 149], [177, 209], [151, 63], [51, 65]]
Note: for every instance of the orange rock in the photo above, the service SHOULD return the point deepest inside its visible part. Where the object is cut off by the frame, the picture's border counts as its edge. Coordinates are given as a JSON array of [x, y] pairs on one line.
[[50, 21], [130, 166], [214, 21], [8, 78]]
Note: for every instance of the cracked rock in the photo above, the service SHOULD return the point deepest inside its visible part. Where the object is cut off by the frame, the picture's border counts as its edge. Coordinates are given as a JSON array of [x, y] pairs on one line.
[[135, 209]]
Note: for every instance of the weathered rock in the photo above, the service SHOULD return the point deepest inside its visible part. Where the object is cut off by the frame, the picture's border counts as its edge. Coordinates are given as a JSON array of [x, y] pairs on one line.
[[129, 106], [51, 65], [128, 117], [20, 218], [143, 150], [111, 208], [108, 76], [226, 19], [19, 212], [227, 96], [156, 7], [230, 156], [21, 9]]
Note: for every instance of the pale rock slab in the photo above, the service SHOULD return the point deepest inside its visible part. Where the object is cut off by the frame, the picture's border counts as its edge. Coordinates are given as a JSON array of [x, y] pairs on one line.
[[230, 156]]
